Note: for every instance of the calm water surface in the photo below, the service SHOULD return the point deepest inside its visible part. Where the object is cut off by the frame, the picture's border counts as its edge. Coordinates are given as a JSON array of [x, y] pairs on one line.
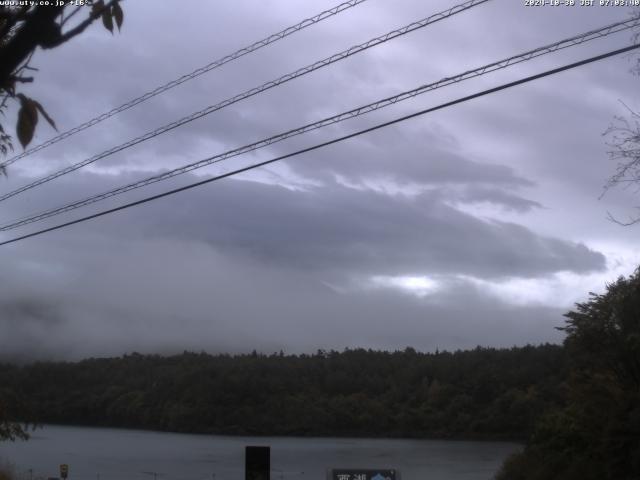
[[110, 454]]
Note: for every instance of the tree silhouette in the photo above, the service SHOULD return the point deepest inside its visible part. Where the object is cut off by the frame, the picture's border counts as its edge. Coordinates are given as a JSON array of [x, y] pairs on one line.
[[23, 29], [624, 144], [597, 434]]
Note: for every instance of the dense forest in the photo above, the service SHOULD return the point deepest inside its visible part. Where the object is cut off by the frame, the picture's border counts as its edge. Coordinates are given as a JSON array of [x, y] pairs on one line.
[[596, 434], [482, 393], [577, 405]]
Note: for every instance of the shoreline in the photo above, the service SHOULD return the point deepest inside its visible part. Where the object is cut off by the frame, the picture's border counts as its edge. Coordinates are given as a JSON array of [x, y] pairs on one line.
[[457, 438]]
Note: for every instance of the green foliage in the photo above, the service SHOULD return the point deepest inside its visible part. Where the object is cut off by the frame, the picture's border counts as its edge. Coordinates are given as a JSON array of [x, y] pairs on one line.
[[12, 431], [597, 434], [23, 29], [481, 393], [9, 402]]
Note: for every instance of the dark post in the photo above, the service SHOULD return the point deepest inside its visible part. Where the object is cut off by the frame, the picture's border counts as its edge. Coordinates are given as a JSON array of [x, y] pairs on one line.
[[257, 463]]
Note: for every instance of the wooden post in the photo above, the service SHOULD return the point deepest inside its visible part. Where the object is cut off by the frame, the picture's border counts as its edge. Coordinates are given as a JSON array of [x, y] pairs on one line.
[[257, 465]]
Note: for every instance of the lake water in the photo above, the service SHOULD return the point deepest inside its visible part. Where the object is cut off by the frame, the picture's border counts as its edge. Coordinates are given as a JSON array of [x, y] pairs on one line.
[[112, 454]]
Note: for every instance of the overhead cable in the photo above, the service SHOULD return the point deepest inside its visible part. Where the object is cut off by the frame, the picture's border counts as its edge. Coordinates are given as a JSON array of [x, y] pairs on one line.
[[327, 143], [362, 110], [251, 92], [189, 76]]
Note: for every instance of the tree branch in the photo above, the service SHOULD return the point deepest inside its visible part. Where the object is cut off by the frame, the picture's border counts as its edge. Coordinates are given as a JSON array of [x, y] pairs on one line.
[[22, 79], [38, 28], [81, 27], [11, 18], [632, 221], [68, 17]]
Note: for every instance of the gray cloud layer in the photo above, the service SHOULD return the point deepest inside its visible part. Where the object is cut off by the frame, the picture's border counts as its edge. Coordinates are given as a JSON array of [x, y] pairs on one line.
[[240, 264], [243, 265]]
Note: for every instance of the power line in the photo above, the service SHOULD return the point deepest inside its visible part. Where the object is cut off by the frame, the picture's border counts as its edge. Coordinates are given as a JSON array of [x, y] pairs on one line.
[[513, 60], [189, 76], [254, 91], [330, 142]]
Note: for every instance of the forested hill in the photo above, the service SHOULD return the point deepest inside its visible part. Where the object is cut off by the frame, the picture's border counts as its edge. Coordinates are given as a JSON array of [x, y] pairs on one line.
[[481, 393]]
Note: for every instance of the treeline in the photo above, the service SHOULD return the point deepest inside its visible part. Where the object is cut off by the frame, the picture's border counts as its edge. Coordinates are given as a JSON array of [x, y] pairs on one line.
[[596, 434], [480, 393], [578, 405]]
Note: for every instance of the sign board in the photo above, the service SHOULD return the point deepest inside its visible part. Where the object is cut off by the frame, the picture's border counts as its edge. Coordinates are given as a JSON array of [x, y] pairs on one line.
[[363, 474], [64, 470]]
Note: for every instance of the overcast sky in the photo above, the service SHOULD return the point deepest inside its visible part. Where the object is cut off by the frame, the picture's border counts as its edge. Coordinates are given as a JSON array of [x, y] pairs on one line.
[[480, 224]]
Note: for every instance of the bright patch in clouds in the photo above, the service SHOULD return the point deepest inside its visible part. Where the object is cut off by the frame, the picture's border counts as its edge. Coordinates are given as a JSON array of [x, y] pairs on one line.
[[420, 286]]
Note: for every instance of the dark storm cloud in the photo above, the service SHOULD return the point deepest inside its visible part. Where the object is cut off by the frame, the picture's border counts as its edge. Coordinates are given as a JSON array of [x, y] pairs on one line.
[[354, 232], [415, 155], [366, 232], [239, 265], [166, 295]]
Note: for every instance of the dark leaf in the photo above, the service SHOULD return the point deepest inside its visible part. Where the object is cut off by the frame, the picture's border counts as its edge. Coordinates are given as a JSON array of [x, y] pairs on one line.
[[27, 120], [118, 14], [45, 114], [107, 21], [97, 7]]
